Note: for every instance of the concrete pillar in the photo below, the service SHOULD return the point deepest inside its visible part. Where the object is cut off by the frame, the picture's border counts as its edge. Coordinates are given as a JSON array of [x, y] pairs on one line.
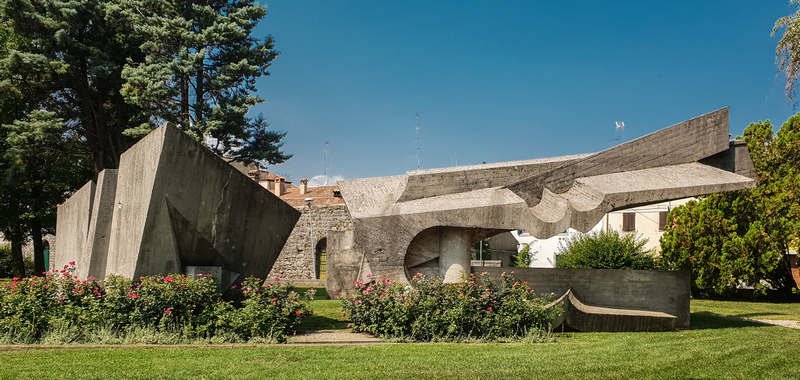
[[454, 256]]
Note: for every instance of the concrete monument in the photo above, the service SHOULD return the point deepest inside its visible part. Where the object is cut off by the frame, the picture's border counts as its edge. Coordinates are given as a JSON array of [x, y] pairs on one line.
[[172, 205], [426, 220]]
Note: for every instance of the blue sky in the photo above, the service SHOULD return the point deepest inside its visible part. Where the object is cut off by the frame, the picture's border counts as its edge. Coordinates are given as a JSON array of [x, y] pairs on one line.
[[506, 80]]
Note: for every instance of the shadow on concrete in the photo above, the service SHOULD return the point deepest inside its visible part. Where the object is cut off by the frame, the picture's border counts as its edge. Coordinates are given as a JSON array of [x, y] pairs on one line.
[[706, 320]]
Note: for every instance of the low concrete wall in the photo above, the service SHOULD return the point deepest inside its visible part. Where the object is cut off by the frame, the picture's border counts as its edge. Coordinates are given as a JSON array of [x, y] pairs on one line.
[[667, 292]]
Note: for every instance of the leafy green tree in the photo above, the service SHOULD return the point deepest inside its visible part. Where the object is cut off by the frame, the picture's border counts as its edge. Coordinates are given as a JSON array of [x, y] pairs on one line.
[[69, 62], [47, 162], [787, 53], [606, 250], [742, 237], [201, 63], [113, 70], [522, 259]]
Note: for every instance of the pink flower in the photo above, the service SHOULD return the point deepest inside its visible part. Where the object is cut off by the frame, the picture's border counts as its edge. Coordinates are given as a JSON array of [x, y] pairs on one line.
[[273, 300], [489, 308], [133, 295], [72, 263], [168, 311], [168, 279], [15, 279], [277, 278], [369, 275], [91, 278], [298, 312]]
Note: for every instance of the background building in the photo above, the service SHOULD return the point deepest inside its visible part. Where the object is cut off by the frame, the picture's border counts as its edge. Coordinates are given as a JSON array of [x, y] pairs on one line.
[[647, 222]]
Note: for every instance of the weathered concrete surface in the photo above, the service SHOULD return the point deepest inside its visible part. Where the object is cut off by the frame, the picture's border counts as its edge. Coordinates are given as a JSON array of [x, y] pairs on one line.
[[542, 197], [72, 222], [176, 204], [582, 317], [655, 291], [99, 235]]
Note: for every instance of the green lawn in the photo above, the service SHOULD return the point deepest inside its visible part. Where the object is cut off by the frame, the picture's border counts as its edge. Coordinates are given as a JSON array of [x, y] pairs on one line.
[[715, 347], [327, 315], [755, 310]]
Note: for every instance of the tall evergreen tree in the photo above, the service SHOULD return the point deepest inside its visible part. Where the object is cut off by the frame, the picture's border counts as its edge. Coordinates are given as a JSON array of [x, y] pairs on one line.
[[199, 72], [70, 64], [41, 158]]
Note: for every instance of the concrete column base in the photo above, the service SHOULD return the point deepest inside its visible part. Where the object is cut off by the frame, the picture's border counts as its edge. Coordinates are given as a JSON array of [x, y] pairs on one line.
[[455, 256]]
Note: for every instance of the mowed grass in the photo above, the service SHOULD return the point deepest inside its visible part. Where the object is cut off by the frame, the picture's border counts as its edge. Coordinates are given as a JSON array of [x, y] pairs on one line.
[[715, 347], [326, 315], [753, 310]]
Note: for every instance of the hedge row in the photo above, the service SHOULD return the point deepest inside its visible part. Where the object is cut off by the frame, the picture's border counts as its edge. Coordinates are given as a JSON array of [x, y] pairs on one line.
[[428, 310], [59, 308]]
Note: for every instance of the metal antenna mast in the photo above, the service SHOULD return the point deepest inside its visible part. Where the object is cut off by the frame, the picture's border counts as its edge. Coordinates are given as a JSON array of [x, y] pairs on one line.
[[419, 143], [325, 161]]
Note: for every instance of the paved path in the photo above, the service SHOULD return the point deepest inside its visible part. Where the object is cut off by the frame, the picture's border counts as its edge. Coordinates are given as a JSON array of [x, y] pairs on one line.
[[333, 337], [777, 322]]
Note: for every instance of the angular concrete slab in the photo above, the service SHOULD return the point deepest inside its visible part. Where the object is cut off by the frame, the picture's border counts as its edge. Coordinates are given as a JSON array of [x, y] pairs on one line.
[[543, 197], [171, 204], [73, 218]]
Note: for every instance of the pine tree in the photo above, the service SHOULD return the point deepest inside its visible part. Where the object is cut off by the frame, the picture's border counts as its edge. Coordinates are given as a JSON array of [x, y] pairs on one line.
[[69, 62], [199, 72]]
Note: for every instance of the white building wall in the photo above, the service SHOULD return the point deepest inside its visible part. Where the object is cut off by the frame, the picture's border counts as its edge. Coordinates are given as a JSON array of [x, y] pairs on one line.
[[543, 251]]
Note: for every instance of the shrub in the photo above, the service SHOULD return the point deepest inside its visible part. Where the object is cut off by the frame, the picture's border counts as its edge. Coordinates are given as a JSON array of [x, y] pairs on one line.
[[7, 262], [59, 308], [522, 259], [428, 310], [606, 250]]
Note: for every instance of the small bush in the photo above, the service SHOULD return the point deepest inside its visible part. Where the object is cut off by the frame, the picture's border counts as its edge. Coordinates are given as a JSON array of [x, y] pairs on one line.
[[428, 310], [58, 308], [7, 262], [606, 250]]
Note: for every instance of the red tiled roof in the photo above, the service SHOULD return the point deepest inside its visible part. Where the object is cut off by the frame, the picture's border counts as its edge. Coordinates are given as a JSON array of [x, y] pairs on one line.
[[322, 195]]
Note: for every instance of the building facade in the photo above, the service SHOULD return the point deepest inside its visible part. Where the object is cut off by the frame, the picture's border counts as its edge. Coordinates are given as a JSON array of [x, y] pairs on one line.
[[645, 222]]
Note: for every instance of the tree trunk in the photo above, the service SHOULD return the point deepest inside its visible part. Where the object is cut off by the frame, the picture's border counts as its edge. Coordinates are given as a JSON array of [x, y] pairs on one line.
[[199, 102], [185, 101], [38, 248]]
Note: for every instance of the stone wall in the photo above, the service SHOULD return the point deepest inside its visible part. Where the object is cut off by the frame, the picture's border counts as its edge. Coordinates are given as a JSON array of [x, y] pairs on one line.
[[296, 260]]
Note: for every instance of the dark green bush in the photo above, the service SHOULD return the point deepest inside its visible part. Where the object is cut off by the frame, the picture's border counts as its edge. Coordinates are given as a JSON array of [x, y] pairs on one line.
[[428, 310], [606, 250], [7, 263], [59, 308]]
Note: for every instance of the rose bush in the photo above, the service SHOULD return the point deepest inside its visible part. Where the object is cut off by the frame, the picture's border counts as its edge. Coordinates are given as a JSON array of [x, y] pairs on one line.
[[428, 310], [186, 308]]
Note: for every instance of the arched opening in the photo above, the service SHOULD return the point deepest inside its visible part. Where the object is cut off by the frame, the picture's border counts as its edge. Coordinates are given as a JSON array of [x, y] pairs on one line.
[[321, 259], [446, 251], [499, 250]]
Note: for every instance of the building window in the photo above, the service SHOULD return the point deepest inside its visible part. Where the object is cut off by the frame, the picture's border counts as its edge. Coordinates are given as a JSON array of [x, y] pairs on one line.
[[629, 221], [662, 220], [321, 259]]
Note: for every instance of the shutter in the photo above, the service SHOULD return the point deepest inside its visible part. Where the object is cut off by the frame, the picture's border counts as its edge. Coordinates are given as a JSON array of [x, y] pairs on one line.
[[628, 221], [662, 220]]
